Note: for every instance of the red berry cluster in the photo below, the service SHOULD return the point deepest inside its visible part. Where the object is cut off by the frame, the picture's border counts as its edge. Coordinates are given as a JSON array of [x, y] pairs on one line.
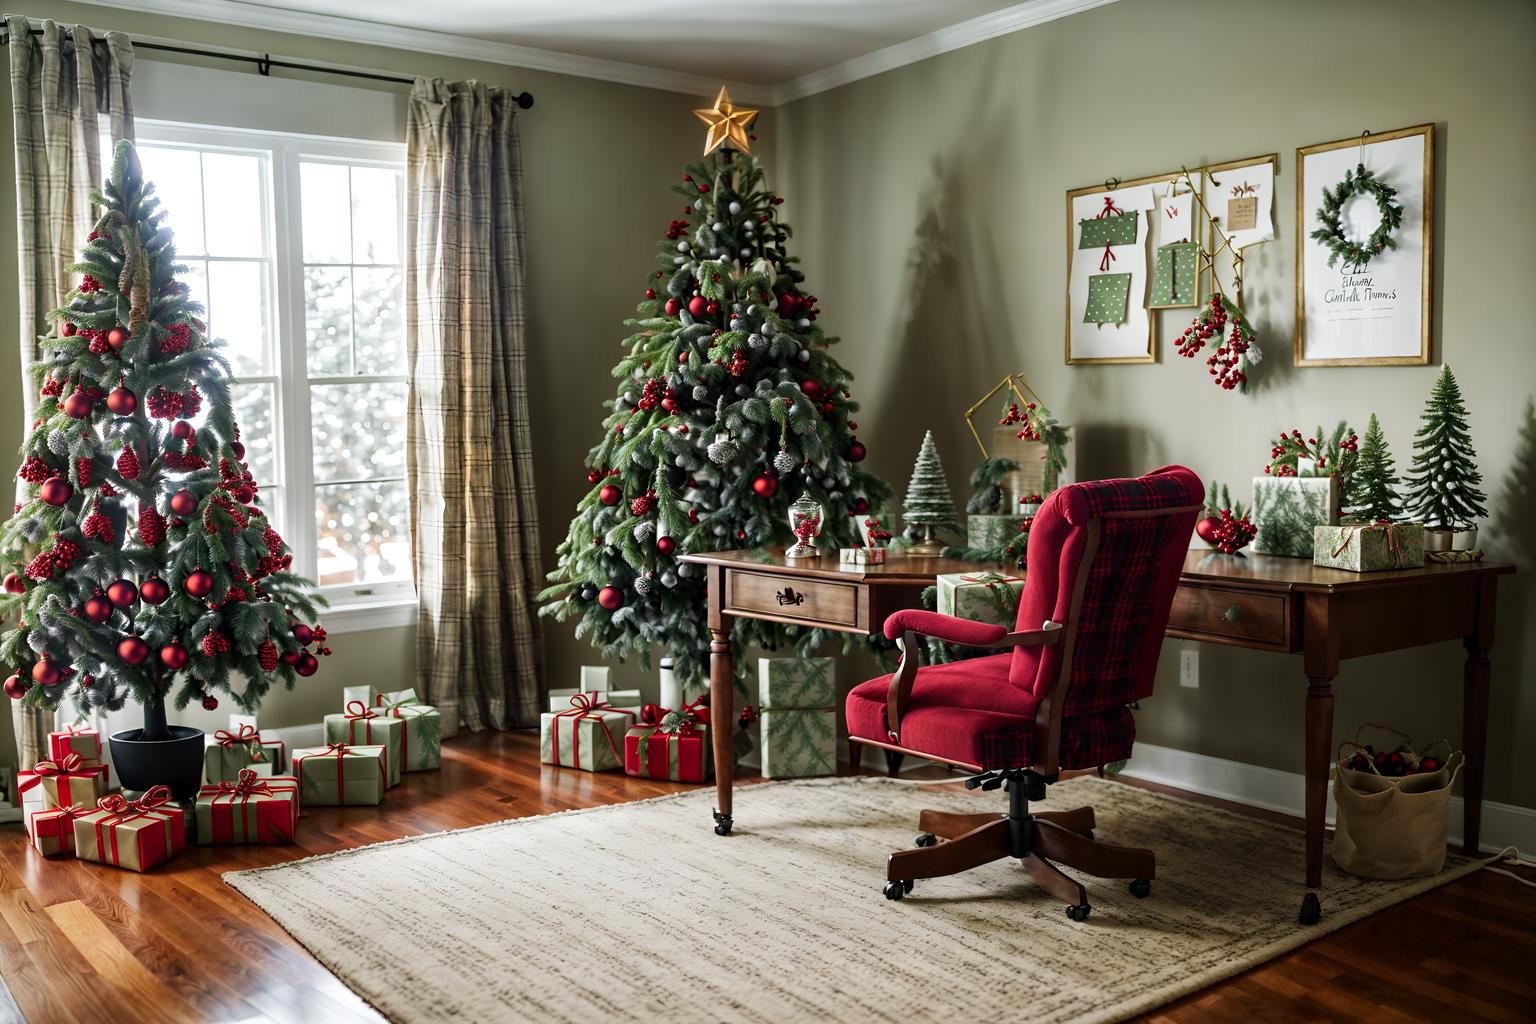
[[1289, 448], [237, 480], [89, 284], [178, 337], [184, 461], [1031, 499], [1231, 535], [34, 470], [53, 387], [738, 364], [151, 526], [643, 505], [96, 341], [1224, 362], [234, 511], [59, 559], [651, 394], [128, 463], [1394, 763], [677, 229], [275, 560], [213, 644], [165, 404], [792, 305]]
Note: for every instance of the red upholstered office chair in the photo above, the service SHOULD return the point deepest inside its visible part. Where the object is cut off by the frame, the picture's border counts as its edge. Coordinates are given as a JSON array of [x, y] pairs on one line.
[[1103, 562]]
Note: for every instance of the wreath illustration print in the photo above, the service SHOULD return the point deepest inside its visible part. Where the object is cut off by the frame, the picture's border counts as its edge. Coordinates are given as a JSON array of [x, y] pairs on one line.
[[1356, 256]]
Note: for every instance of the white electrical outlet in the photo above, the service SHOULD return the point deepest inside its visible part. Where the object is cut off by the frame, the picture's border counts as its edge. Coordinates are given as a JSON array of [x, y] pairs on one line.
[[1189, 667]]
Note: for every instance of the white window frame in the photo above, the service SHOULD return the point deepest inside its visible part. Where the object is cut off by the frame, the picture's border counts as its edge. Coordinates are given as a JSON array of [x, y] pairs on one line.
[[354, 606]]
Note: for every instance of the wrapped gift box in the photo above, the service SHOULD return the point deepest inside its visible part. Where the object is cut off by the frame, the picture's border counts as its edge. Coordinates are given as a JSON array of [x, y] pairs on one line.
[[226, 754], [421, 733], [861, 556], [622, 700], [982, 596], [132, 834], [797, 713], [250, 810], [279, 763], [673, 745], [75, 739], [363, 726], [338, 775], [1286, 510], [1369, 547], [51, 830], [68, 780], [984, 531], [584, 735]]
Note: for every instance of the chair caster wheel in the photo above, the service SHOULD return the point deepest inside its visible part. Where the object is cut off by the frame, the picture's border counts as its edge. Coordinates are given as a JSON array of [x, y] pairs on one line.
[[1311, 909], [723, 824], [896, 890], [1141, 888], [926, 839], [1079, 912]]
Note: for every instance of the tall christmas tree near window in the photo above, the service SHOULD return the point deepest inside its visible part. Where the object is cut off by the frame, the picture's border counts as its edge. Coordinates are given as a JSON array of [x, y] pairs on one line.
[[1445, 486], [195, 596], [728, 407]]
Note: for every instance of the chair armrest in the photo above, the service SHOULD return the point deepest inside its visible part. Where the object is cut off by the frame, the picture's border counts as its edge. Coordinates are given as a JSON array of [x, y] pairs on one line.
[[943, 627]]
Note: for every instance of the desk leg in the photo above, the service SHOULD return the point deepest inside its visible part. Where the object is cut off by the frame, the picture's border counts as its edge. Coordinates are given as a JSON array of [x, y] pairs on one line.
[[722, 706], [1474, 742], [1319, 753]]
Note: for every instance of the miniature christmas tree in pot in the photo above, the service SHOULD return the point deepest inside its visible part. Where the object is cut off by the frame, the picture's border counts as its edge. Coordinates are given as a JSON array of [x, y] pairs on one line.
[[195, 596], [1445, 488], [928, 506]]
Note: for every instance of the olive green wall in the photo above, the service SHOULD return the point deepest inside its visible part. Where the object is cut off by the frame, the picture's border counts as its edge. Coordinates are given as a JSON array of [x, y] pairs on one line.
[[598, 160], [929, 207]]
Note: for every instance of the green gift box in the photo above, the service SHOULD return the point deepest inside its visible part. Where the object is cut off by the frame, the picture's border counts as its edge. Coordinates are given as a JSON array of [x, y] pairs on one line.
[[991, 531], [1287, 509], [363, 726], [250, 810], [981, 596], [1174, 275], [588, 735], [341, 776], [1115, 229], [1369, 547], [797, 716], [226, 753], [422, 729]]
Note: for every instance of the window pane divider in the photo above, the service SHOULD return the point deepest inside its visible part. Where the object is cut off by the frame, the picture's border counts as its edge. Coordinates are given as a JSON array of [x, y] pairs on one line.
[[360, 378], [361, 480]]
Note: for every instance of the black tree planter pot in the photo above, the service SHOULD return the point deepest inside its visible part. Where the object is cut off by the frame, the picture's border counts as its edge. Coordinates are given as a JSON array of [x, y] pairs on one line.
[[176, 762]]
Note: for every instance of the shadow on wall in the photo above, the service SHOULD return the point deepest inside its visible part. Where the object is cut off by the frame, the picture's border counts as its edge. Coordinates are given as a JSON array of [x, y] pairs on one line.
[[1514, 535]]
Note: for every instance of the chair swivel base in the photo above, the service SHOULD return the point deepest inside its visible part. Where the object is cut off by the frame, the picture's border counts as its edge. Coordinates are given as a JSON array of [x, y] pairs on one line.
[[1041, 840]]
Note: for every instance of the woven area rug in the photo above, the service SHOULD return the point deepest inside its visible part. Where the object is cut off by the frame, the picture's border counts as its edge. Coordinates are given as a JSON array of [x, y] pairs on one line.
[[639, 912]]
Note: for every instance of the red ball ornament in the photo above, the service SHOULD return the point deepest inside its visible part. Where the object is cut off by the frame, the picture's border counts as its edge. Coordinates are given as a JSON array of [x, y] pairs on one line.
[[210, 702], [307, 665], [122, 593], [698, 305], [594, 476], [610, 495], [78, 405], [291, 657], [672, 307], [199, 583], [183, 502], [856, 452], [861, 505], [97, 609], [303, 634], [811, 388], [154, 590], [173, 656], [67, 329], [182, 430], [46, 673], [765, 486], [611, 598], [238, 449], [650, 293], [56, 491], [665, 545], [122, 402], [133, 650], [1205, 529], [117, 338], [13, 584], [17, 687]]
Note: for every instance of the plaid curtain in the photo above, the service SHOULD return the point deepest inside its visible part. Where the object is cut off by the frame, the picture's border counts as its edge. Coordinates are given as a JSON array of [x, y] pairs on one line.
[[65, 85], [469, 469]]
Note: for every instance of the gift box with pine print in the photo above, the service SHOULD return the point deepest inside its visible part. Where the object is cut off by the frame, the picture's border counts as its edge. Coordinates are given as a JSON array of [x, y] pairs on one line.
[[991, 531], [51, 830], [338, 775], [227, 753], [250, 810], [981, 596], [362, 726], [65, 781], [421, 729], [797, 716], [672, 745], [1369, 547], [75, 739], [588, 735], [132, 834]]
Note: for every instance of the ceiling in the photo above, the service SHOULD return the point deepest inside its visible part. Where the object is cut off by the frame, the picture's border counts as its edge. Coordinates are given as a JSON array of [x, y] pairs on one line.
[[767, 52]]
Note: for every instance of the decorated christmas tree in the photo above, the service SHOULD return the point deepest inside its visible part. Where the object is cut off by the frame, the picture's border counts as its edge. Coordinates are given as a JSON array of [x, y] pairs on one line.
[[1371, 493], [928, 505], [1445, 486], [729, 406], [143, 561]]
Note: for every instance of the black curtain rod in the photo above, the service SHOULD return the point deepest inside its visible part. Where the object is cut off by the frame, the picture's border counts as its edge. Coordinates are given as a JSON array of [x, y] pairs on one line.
[[265, 64]]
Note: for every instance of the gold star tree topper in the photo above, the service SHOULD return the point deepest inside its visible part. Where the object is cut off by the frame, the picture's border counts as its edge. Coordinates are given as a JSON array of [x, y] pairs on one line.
[[727, 123]]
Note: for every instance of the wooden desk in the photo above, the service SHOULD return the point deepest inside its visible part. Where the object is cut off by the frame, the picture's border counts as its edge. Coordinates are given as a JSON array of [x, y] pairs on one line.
[[1261, 602]]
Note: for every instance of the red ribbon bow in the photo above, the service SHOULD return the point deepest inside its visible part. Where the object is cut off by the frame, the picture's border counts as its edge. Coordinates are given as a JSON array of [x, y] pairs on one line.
[[246, 734], [77, 729], [1110, 209], [66, 765], [357, 709], [71, 812], [248, 784], [585, 706]]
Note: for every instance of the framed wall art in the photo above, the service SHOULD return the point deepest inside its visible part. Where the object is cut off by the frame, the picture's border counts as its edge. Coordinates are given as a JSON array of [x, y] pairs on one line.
[[1108, 272], [1365, 216]]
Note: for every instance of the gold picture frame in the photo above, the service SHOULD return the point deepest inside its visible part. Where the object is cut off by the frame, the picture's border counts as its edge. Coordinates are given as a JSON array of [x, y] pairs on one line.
[[1306, 204], [1151, 354], [1210, 280]]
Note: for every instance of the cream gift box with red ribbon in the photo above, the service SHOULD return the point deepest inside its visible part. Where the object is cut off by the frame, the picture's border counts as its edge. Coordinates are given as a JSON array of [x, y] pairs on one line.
[[981, 596], [250, 810], [132, 834], [341, 775], [363, 726], [422, 732], [68, 780], [227, 753], [588, 735], [51, 830]]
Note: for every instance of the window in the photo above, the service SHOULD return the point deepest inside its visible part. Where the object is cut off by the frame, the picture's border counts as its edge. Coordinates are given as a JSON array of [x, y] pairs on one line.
[[294, 245]]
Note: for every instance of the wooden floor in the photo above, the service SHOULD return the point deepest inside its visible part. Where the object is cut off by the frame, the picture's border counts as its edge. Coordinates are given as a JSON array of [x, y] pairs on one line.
[[82, 942]]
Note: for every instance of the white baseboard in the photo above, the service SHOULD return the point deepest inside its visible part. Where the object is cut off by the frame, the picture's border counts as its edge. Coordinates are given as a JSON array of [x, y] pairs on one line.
[[1273, 790]]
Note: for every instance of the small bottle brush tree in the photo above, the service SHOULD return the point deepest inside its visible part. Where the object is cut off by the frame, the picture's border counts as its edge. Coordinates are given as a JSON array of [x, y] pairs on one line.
[[928, 506], [1445, 488], [197, 589], [729, 406], [1371, 495]]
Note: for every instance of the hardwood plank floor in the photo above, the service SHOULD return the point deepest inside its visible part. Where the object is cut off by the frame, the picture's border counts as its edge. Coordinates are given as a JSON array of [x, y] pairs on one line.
[[83, 941]]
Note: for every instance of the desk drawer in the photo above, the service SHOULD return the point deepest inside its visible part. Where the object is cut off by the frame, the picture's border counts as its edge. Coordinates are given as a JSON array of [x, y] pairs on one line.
[[792, 597], [1221, 612]]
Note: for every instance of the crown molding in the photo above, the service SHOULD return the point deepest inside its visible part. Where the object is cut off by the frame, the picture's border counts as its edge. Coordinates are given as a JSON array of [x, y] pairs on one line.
[[353, 30], [951, 37]]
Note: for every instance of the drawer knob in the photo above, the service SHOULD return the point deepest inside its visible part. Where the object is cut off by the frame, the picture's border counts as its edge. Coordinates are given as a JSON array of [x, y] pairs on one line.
[[1233, 613], [788, 596]]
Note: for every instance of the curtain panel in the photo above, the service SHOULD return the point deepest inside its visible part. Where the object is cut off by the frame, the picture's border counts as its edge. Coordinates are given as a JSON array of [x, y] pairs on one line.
[[68, 84], [469, 468]]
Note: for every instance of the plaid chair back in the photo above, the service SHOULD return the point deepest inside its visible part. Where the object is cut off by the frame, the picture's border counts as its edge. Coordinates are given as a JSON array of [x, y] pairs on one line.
[[1130, 585]]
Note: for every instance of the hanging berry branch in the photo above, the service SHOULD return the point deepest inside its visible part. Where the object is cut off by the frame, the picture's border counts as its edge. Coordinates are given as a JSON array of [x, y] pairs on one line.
[[1333, 455], [1237, 348]]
